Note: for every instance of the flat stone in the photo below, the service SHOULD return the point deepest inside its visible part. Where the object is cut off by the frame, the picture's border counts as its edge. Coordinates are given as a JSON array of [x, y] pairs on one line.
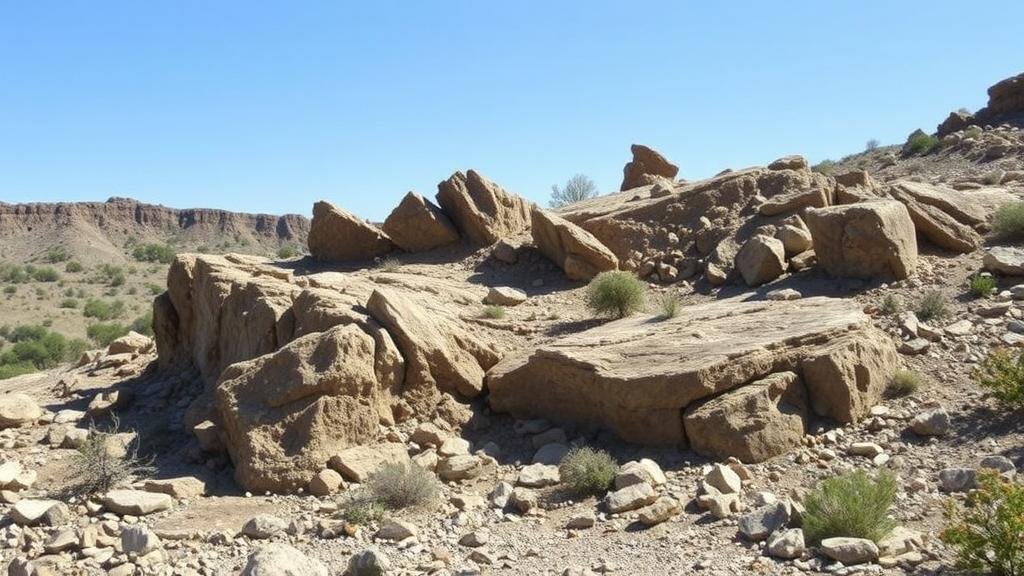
[[538, 476], [179, 488], [850, 551], [630, 498], [934, 422], [551, 454], [396, 530], [505, 296], [136, 502], [358, 463], [27, 512], [660, 511], [759, 524], [263, 526]]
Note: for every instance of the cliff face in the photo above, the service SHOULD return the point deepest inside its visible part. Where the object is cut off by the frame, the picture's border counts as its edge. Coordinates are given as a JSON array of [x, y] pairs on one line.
[[28, 228]]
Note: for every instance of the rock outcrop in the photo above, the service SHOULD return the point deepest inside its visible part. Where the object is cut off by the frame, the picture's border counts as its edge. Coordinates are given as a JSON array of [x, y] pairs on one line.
[[416, 225], [637, 377], [336, 235], [864, 240], [950, 219], [646, 163], [573, 249], [1005, 103], [482, 211]]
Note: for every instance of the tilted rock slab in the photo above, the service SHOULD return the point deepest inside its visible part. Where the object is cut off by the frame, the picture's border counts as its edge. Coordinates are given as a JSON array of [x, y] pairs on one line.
[[482, 211], [336, 235], [950, 219], [573, 249], [416, 225], [864, 240], [638, 375], [646, 162]]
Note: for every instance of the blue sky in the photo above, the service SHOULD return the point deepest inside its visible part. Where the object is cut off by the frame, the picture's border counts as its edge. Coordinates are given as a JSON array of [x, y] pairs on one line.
[[269, 106]]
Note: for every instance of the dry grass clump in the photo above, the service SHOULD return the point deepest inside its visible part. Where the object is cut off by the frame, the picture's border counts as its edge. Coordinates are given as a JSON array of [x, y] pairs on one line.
[[852, 505], [616, 293]]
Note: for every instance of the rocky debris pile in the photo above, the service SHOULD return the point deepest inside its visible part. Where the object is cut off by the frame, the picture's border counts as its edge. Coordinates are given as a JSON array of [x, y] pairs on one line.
[[731, 378], [647, 167], [1005, 105]]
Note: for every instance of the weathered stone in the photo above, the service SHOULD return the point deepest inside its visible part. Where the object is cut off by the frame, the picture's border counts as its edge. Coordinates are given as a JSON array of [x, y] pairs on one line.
[[786, 544], [396, 530], [263, 526], [337, 235], [850, 551], [762, 259], [482, 211], [864, 240], [179, 488], [1006, 260], [277, 559], [759, 524], [28, 512], [504, 296], [325, 483], [660, 511], [416, 225], [368, 562], [724, 479], [646, 162], [458, 468], [131, 343], [136, 502], [935, 224], [358, 463], [957, 479], [538, 476], [138, 539], [551, 453], [630, 498], [18, 409], [934, 422], [577, 252]]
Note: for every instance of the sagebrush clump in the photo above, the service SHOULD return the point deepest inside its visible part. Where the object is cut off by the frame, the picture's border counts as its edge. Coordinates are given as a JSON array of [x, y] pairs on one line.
[[398, 486], [920, 143], [891, 305], [933, 305], [615, 293], [360, 509], [1008, 222], [852, 505], [982, 286], [987, 533], [588, 471], [1002, 374], [668, 304], [905, 383]]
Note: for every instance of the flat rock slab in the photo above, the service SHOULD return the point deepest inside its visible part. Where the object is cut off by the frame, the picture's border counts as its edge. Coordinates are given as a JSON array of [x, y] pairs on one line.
[[637, 375], [136, 502]]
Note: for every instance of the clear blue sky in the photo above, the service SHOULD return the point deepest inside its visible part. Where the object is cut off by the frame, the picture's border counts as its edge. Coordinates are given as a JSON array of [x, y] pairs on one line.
[[269, 106]]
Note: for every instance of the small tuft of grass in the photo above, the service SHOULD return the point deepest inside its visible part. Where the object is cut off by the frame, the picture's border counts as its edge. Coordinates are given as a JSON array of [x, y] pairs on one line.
[[389, 264], [987, 533], [668, 305], [1008, 222], [905, 383], [494, 312], [1002, 374], [826, 167], [588, 471], [398, 486], [891, 305], [933, 305], [982, 285], [615, 293], [853, 505]]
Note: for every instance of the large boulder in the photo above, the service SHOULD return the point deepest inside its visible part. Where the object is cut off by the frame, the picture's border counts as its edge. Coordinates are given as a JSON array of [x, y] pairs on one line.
[[286, 413], [762, 259], [481, 210], [1005, 102], [18, 409], [754, 422], [416, 225], [636, 376], [1006, 260], [336, 235], [864, 240], [278, 559], [573, 249], [646, 162], [950, 219]]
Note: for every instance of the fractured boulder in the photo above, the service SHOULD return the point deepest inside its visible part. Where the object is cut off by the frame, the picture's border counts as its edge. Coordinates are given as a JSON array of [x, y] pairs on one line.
[[336, 235], [416, 225], [572, 248], [864, 240], [482, 211]]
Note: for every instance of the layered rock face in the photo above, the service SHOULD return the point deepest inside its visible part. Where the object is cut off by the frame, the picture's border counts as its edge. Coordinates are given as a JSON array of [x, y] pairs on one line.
[[573, 249], [299, 367], [482, 211], [684, 379], [337, 235], [647, 166]]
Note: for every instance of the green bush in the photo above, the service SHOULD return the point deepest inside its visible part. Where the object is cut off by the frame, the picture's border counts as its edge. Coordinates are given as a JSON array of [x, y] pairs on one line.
[[973, 132], [1008, 222], [57, 254], [397, 486], [891, 305], [588, 471], [36, 348], [852, 505], [360, 509], [69, 303], [14, 274], [825, 167], [982, 286], [668, 303], [287, 251], [72, 267], [905, 383], [153, 252], [12, 370], [104, 333], [45, 274], [1002, 374], [143, 324], [920, 143], [933, 305], [494, 312], [987, 533], [615, 293], [110, 275], [103, 310]]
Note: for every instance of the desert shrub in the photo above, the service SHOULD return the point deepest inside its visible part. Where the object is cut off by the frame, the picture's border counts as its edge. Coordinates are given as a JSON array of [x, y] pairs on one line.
[[389, 264], [921, 143], [360, 509], [668, 305], [982, 286], [72, 267], [14, 274], [101, 463], [1008, 222], [287, 251], [143, 324], [905, 383], [992, 178], [102, 309], [57, 254], [494, 311], [615, 293], [987, 533], [69, 303], [974, 132], [153, 252], [397, 486], [588, 471], [103, 333], [110, 275], [825, 167], [12, 370], [10, 290], [37, 348], [45, 274], [577, 189], [155, 289], [871, 145], [852, 505], [891, 305], [26, 332], [1002, 374], [934, 304]]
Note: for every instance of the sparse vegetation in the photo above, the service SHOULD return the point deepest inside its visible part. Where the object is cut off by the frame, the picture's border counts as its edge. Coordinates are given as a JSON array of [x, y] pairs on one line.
[[360, 509], [852, 505], [389, 264], [45, 274], [69, 303], [588, 471], [57, 254], [577, 189], [974, 132], [102, 309], [110, 275], [934, 304], [103, 333], [992, 178], [1008, 222], [104, 462], [399, 486], [921, 143], [143, 324], [905, 383], [1002, 374], [287, 251], [872, 144], [36, 348], [982, 285], [73, 267], [153, 252], [891, 305], [825, 167], [987, 532], [494, 312], [615, 293], [668, 305]]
